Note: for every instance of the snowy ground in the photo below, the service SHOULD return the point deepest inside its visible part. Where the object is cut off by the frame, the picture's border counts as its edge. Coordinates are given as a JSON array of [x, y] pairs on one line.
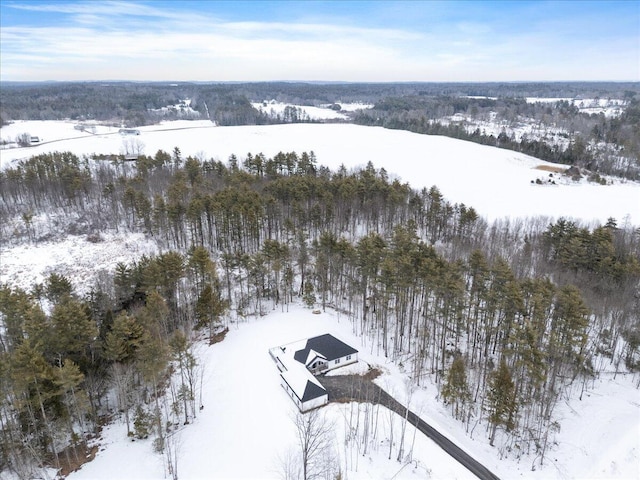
[[496, 182], [273, 109], [610, 107], [321, 112], [75, 257], [352, 107], [524, 127], [245, 427]]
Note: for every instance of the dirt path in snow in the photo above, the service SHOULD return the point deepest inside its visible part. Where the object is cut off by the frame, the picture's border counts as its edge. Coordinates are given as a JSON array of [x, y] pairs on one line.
[[343, 388]]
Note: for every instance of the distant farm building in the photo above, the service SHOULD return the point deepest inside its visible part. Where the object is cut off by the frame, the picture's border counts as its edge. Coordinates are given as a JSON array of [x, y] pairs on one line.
[[299, 361], [129, 131], [34, 140]]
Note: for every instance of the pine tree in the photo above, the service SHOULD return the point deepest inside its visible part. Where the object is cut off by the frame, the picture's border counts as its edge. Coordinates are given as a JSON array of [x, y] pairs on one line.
[[124, 339], [210, 306], [34, 386], [73, 331], [57, 287], [568, 336], [502, 402], [456, 390]]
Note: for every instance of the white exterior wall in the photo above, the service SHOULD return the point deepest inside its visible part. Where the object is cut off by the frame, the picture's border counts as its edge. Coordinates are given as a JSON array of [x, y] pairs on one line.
[[314, 403], [290, 392], [309, 404], [341, 362]]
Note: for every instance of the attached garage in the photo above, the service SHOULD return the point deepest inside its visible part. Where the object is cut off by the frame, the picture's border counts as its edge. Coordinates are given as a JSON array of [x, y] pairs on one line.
[[298, 362]]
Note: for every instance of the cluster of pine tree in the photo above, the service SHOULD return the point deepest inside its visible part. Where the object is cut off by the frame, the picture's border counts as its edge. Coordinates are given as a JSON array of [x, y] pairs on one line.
[[69, 364], [505, 318]]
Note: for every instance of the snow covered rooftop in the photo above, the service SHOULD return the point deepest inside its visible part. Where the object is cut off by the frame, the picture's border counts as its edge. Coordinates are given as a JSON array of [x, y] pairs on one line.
[[294, 358], [304, 385]]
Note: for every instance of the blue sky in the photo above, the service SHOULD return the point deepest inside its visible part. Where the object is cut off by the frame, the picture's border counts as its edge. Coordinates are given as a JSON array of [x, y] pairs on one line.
[[377, 41]]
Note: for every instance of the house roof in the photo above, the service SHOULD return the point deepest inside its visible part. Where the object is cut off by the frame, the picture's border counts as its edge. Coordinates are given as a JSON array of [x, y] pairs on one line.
[[326, 345], [304, 385], [312, 356], [312, 391]]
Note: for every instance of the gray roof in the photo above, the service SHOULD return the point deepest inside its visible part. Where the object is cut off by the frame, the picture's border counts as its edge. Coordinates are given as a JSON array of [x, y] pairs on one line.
[[312, 391], [327, 345]]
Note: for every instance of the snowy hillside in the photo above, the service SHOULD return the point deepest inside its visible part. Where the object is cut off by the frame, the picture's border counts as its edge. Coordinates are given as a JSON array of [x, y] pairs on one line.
[[247, 415], [609, 107], [75, 257], [496, 182]]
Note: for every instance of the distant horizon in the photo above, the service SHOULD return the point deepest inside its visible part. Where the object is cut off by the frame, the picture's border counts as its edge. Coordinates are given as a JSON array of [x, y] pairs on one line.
[[327, 82], [301, 41]]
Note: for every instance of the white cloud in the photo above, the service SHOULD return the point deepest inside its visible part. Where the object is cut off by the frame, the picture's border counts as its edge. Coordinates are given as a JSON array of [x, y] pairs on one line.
[[110, 8], [142, 42]]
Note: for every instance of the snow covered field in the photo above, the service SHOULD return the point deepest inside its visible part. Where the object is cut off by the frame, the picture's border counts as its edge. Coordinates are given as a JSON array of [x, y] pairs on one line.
[[610, 107], [78, 259], [496, 182], [273, 109], [246, 425]]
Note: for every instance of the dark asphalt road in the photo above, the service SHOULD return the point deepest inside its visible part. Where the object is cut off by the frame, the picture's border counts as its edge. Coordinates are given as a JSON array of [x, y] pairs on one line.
[[355, 387]]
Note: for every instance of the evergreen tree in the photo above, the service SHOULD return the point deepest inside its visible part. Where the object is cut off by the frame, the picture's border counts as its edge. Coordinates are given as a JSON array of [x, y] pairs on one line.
[[456, 390], [502, 401]]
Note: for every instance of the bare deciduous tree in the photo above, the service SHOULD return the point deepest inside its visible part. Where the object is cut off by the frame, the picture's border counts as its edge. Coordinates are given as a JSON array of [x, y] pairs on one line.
[[314, 440]]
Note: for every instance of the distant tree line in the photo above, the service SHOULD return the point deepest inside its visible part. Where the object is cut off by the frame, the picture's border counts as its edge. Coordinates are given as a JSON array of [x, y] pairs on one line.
[[132, 101], [619, 155]]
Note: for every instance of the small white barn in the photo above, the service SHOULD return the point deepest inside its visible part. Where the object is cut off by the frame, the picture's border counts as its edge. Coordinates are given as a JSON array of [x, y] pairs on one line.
[[299, 361]]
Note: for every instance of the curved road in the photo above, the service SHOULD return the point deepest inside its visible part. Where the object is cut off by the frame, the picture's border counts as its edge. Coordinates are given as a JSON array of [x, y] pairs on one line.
[[355, 387]]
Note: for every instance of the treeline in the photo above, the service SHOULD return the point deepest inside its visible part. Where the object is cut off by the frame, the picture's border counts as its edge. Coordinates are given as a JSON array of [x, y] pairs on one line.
[[122, 102], [505, 317], [132, 101], [606, 145]]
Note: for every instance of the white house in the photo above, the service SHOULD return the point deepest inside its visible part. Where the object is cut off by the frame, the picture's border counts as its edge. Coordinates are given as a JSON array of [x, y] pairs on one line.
[[297, 362], [324, 353]]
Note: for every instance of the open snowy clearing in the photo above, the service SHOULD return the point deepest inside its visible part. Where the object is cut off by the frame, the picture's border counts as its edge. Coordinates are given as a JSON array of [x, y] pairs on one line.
[[496, 182], [610, 107], [322, 112], [273, 109], [75, 257], [245, 427]]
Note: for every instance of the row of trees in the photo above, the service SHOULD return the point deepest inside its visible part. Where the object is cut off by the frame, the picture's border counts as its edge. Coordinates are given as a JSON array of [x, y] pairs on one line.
[[505, 317]]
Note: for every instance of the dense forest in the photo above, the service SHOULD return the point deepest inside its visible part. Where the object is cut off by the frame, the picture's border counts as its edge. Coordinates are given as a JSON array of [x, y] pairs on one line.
[[108, 100], [507, 318]]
